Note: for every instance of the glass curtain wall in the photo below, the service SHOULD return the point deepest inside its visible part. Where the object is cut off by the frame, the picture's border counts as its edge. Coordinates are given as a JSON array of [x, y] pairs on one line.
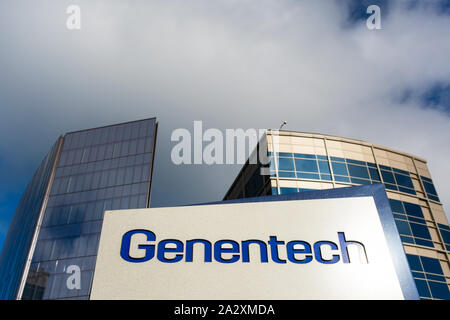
[[100, 169]]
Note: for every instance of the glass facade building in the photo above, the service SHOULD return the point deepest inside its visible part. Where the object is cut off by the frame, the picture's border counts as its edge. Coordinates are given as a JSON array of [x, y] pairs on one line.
[[58, 221], [304, 161]]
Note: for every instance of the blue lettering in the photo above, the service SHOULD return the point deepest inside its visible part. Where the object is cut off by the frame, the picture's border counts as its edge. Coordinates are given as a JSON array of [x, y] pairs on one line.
[[318, 252], [344, 245], [274, 249], [306, 251], [262, 248], [162, 249], [218, 250], [190, 249], [297, 251], [149, 249]]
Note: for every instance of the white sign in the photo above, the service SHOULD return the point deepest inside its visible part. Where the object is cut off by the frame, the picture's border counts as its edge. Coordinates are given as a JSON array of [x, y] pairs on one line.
[[298, 249]]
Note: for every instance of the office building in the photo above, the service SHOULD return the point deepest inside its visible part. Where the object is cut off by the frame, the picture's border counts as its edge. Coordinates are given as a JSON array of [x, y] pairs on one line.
[[56, 226], [304, 161]]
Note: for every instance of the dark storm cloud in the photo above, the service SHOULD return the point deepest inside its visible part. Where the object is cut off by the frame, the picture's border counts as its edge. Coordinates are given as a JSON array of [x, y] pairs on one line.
[[232, 64]]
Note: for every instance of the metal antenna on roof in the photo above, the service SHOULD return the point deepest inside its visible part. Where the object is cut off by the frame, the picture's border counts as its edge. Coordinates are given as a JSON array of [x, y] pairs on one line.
[[283, 124]]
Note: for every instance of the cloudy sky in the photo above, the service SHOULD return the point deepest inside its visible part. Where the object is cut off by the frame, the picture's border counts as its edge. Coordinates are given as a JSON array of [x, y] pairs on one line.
[[229, 63]]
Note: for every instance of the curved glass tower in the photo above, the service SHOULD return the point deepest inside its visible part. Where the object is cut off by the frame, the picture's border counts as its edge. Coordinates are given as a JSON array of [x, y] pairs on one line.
[[56, 227], [306, 161]]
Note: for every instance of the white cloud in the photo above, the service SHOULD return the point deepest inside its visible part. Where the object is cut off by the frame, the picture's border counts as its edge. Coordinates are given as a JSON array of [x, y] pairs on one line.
[[231, 64]]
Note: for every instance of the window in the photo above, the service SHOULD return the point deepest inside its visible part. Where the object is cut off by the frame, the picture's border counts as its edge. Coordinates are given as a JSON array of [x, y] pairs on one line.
[[420, 231], [324, 167], [445, 234], [305, 156], [396, 179], [388, 177], [403, 227], [414, 262], [303, 175], [288, 190], [396, 206], [404, 181], [306, 165], [374, 175], [361, 163], [317, 167], [390, 186], [286, 174], [429, 188], [428, 279], [413, 209], [284, 154], [431, 265], [406, 239], [413, 220], [286, 164], [304, 190], [339, 168], [358, 171], [406, 190], [359, 181], [439, 290], [371, 165], [341, 179], [422, 288]]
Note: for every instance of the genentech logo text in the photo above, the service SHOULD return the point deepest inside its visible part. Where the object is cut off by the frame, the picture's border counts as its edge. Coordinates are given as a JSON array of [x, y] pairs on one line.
[[230, 251]]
